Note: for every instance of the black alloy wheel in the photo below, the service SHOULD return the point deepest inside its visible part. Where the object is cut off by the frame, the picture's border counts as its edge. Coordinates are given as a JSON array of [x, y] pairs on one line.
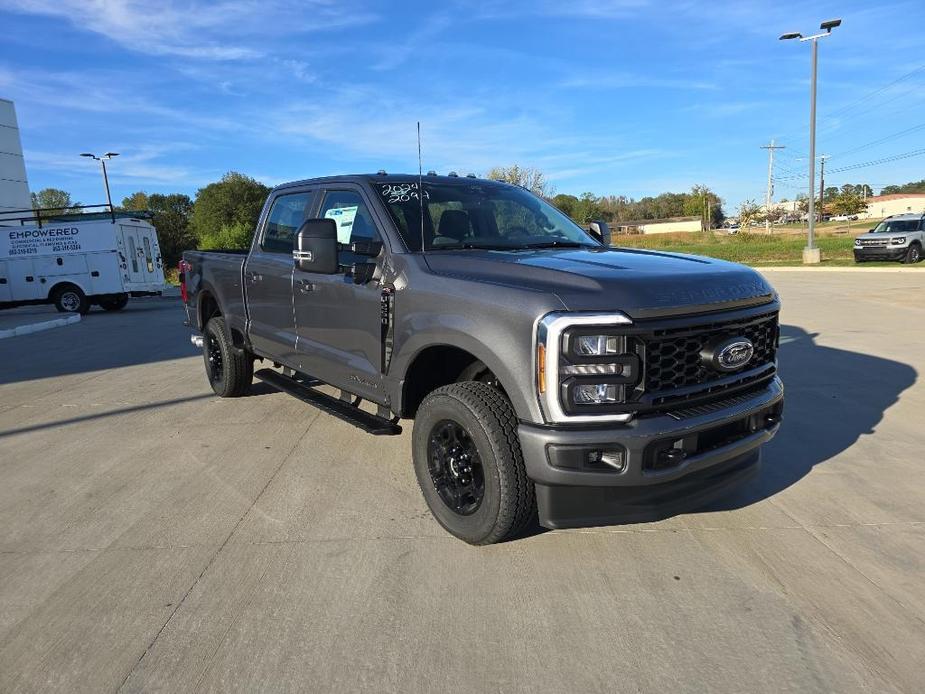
[[215, 364], [455, 467]]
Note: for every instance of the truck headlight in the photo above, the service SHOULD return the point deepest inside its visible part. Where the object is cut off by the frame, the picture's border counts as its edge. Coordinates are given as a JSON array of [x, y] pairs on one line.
[[857, 242], [594, 393], [898, 240], [594, 345], [586, 368]]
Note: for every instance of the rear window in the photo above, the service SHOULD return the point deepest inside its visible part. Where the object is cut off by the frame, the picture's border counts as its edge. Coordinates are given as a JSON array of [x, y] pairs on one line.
[[286, 216]]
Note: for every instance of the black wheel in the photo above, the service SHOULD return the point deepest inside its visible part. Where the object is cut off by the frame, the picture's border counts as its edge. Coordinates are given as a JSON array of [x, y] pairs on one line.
[[913, 255], [71, 299], [229, 370], [115, 303], [469, 465]]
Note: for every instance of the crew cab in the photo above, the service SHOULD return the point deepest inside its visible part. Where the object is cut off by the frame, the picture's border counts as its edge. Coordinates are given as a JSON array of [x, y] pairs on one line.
[[549, 376], [900, 237]]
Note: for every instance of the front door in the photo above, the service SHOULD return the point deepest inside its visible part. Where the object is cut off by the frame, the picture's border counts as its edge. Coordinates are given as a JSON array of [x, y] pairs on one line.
[[337, 321], [268, 278]]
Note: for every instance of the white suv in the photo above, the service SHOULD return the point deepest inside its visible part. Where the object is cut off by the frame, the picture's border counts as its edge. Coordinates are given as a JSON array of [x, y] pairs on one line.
[[900, 237]]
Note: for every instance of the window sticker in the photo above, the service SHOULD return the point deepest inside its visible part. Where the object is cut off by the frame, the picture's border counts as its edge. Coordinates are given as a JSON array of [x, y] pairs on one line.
[[343, 217]]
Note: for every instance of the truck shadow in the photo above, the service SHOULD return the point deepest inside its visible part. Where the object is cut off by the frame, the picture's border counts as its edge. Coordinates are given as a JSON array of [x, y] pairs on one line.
[[833, 397]]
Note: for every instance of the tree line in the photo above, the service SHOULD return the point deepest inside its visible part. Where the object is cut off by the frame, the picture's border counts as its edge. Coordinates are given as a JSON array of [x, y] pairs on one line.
[[224, 214]]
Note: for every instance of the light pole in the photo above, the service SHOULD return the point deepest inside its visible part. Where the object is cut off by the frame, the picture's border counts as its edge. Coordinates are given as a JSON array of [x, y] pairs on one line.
[[102, 161], [811, 254]]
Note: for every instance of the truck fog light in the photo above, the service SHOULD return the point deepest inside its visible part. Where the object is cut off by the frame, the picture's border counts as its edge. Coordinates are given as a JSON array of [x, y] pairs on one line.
[[615, 459], [594, 393]]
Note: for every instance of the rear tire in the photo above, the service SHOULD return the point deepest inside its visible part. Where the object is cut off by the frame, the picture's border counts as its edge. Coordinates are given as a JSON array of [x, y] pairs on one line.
[[469, 464], [230, 370], [71, 299], [114, 304], [913, 255]]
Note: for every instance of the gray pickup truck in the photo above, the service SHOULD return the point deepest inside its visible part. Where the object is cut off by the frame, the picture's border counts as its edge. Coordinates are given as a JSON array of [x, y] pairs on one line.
[[549, 376]]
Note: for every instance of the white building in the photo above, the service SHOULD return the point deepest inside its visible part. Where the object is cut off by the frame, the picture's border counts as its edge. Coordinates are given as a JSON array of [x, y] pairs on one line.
[[659, 226], [881, 206], [14, 188]]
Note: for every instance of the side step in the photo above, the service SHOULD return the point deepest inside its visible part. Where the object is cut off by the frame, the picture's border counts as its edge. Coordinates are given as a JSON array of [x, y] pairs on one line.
[[370, 423]]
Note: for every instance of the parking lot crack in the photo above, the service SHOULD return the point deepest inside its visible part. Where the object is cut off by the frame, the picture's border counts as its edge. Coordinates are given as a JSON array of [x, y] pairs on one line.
[[283, 460]]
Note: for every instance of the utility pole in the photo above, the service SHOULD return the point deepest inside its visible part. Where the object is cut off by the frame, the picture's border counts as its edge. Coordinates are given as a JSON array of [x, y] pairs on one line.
[[822, 159], [767, 200]]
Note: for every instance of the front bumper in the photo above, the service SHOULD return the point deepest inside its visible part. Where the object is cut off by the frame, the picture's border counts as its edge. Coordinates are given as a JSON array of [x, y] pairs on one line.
[[880, 252], [720, 446]]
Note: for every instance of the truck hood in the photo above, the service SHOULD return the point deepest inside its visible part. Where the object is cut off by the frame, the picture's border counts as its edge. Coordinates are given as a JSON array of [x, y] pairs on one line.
[[640, 283]]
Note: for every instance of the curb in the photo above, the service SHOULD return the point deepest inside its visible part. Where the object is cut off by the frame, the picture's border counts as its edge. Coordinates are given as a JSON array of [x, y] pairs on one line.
[[810, 268], [39, 327]]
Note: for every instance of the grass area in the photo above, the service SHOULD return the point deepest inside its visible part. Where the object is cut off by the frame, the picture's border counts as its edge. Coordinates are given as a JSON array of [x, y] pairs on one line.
[[751, 248]]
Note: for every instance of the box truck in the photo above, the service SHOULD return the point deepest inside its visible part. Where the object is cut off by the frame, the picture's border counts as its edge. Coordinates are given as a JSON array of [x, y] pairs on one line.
[[78, 264]]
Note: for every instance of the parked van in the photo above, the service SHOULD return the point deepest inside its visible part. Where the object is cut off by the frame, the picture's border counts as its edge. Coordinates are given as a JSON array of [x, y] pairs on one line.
[[77, 264]]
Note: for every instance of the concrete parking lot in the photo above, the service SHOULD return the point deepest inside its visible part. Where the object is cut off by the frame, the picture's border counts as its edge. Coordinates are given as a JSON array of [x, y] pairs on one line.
[[153, 537]]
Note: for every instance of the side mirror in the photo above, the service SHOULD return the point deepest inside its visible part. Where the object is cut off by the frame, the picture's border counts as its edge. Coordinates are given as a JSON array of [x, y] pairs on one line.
[[316, 246], [601, 231]]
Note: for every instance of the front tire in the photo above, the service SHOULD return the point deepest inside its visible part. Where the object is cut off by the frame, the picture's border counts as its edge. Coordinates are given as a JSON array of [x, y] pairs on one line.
[[913, 255], [469, 464], [230, 370], [71, 299]]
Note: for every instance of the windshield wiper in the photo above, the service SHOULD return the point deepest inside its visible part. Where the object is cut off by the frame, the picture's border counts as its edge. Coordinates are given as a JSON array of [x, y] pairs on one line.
[[469, 245], [556, 244]]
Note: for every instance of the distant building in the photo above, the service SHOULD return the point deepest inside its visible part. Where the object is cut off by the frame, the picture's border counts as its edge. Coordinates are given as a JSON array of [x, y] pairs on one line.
[[881, 206], [659, 226], [14, 188], [783, 207]]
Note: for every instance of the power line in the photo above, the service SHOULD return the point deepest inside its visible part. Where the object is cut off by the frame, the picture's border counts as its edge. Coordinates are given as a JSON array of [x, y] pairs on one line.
[[862, 165], [913, 129], [770, 191]]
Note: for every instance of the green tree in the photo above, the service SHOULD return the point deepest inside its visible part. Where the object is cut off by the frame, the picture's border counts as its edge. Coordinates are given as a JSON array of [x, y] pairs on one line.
[[233, 203], [915, 187], [748, 212], [566, 203], [847, 202], [170, 217], [528, 177], [54, 201], [136, 201]]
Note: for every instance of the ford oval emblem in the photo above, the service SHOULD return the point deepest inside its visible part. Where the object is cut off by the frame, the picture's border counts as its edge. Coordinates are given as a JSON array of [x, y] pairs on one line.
[[729, 355]]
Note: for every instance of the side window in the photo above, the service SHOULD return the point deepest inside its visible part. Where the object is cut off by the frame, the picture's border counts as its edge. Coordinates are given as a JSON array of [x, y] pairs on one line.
[[349, 212], [286, 216], [148, 257]]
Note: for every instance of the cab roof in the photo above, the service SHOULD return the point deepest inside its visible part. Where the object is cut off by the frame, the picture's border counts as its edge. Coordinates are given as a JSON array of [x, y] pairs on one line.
[[383, 177]]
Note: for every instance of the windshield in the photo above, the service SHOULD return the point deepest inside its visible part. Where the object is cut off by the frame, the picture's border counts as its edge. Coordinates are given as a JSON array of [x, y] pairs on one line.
[[893, 225], [477, 214]]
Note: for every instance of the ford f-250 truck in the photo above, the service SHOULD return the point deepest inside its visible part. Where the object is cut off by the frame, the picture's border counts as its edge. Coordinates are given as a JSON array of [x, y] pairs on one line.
[[546, 373]]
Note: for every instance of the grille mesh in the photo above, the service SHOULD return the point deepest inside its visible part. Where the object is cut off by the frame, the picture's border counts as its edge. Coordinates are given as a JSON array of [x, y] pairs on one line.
[[675, 362]]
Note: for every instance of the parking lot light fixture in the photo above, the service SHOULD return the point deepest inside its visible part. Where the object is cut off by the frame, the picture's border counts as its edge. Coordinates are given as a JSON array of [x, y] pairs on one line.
[[102, 161], [811, 254]]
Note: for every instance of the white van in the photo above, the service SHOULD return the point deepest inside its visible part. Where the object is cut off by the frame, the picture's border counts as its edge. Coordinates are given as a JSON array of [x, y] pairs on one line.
[[76, 264]]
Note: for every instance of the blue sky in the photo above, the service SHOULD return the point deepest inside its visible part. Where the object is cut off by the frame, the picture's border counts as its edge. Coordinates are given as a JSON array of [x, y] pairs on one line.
[[615, 97]]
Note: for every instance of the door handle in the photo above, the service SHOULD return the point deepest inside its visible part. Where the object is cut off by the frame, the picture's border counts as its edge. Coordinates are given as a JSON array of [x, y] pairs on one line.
[[306, 286]]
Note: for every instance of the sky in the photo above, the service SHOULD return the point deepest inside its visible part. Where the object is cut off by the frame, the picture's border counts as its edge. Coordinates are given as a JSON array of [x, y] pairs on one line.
[[621, 97]]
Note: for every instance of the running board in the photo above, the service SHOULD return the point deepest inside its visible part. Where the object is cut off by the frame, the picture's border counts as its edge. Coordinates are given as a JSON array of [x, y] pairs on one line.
[[352, 414]]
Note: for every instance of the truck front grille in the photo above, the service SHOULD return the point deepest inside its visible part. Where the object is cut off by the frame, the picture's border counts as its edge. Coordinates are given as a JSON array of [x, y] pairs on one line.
[[675, 373], [675, 362]]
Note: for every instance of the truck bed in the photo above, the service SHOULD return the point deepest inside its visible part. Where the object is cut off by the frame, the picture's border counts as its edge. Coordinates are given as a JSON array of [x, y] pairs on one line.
[[215, 278]]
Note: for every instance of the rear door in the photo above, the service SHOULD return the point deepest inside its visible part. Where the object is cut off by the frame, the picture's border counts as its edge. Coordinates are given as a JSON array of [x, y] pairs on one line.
[[5, 293], [268, 277], [337, 321], [132, 250]]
